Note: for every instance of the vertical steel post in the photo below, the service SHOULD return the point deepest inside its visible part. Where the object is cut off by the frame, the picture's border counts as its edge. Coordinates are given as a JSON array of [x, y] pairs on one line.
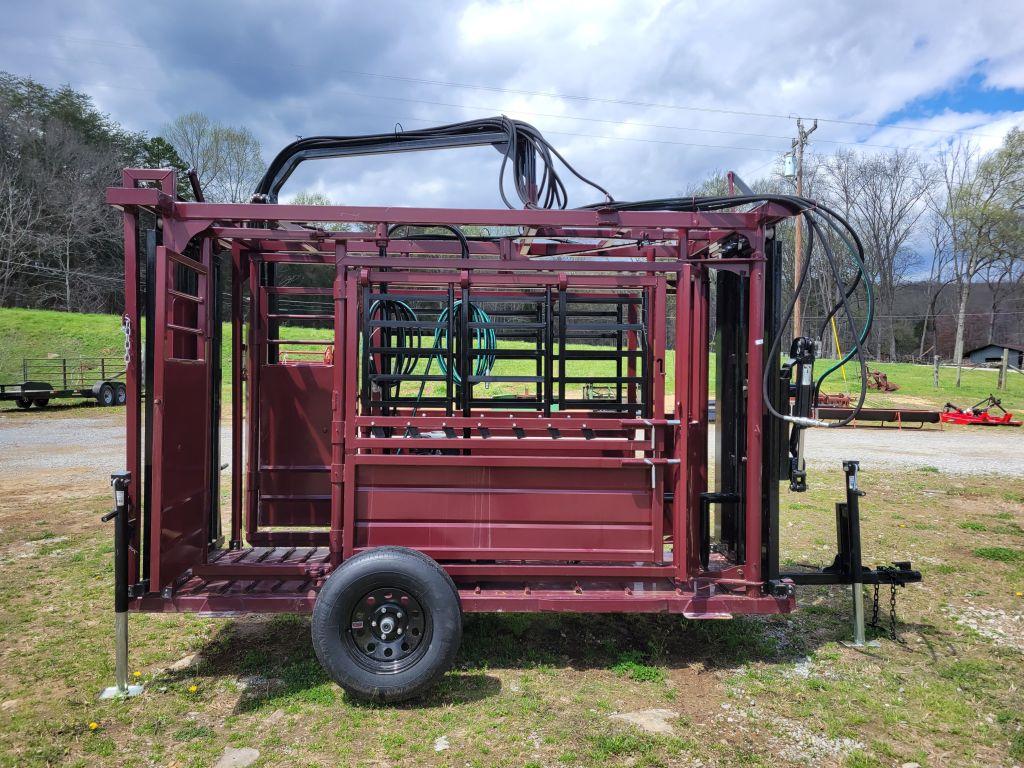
[[853, 494], [755, 406], [120, 482], [237, 398]]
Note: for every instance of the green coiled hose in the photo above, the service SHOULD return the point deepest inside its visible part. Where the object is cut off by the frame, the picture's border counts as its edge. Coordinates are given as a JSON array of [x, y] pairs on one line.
[[483, 339]]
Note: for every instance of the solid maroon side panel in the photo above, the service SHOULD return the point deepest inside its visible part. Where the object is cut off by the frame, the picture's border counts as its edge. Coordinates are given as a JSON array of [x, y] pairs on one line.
[[184, 498], [458, 512], [295, 446]]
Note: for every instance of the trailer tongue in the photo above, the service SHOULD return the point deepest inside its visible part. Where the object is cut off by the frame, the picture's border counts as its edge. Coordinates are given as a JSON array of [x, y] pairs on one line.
[[436, 411]]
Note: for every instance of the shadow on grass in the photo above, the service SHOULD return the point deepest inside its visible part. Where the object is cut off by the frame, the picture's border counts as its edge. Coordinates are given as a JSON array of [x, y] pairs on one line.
[[273, 661], [55, 406]]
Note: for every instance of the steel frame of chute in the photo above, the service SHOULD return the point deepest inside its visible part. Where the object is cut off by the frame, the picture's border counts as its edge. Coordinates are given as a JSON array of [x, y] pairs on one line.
[[394, 483]]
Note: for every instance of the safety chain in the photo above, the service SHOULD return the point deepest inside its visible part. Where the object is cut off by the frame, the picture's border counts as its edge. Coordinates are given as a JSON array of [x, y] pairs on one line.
[[126, 326], [892, 610]]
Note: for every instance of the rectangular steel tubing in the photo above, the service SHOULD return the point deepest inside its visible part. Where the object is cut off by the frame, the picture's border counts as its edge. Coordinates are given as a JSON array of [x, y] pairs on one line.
[[253, 367], [133, 417], [348, 401], [682, 542], [533, 217], [545, 444], [755, 407], [301, 596], [525, 420]]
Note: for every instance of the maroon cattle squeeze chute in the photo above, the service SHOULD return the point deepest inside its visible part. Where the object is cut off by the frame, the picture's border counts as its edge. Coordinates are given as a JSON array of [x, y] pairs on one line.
[[489, 417]]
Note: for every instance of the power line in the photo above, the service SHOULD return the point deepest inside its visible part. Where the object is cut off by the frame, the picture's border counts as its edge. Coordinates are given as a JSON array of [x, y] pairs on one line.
[[40, 269], [532, 113], [553, 133], [564, 96]]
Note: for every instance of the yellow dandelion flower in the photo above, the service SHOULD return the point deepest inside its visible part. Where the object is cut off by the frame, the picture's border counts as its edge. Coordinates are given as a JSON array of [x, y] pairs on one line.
[[193, 688], [93, 726], [137, 673]]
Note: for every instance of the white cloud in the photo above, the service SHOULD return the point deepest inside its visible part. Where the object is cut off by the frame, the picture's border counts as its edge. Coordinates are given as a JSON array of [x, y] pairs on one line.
[[298, 72]]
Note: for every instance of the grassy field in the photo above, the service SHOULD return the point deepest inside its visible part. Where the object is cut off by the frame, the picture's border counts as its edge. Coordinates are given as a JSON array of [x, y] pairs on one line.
[[38, 333], [543, 690]]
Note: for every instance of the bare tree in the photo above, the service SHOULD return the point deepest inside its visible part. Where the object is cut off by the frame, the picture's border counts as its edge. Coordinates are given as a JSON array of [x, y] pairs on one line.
[[884, 195], [227, 160], [983, 208], [19, 215], [938, 274], [70, 175], [197, 141]]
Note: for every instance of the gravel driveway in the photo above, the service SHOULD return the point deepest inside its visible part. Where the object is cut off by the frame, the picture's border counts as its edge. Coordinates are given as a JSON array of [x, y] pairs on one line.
[[86, 445]]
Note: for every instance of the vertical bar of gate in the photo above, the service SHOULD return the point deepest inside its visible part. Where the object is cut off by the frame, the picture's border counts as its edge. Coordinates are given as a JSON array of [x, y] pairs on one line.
[[350, 402], [133, 415], [338, 400], [161, 339], [465, 345], [449, 357], [658, 321], [236, 396], [631, 347], [701, 347], [208, 350], [549, 352], [681, 543], [253, 386], [755, 405], [563, 341]]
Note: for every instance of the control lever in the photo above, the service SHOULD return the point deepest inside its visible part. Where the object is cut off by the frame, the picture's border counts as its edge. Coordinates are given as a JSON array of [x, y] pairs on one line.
[[800, 372]]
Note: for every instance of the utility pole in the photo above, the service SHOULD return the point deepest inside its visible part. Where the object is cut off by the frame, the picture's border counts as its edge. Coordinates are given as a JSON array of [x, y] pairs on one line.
[[798, 254]]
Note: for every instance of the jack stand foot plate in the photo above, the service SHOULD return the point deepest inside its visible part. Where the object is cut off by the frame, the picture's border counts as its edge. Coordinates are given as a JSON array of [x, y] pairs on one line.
[[114, 693], [867, 644]]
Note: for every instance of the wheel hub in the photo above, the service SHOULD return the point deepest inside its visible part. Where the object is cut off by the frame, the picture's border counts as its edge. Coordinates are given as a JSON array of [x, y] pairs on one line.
[[387, 626]]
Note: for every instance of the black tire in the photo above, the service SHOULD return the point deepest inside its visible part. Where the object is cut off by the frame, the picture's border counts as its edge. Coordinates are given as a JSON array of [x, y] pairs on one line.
[[106, 396], [406, 588], [24, 403], [121, 394], [42, 402]]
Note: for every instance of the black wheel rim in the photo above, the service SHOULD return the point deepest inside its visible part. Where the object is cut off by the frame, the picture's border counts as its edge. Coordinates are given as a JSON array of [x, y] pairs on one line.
[[388, 631]]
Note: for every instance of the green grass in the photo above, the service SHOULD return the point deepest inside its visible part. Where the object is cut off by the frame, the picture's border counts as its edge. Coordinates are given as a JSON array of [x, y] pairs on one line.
[[1000, 554], [534, 689], [42, 333]]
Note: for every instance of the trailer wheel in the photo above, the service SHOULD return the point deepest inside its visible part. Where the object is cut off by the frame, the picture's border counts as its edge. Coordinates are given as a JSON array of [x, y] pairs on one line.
[[121, 394], [387, 624], [42, 402], [24, 403], [106, 396]]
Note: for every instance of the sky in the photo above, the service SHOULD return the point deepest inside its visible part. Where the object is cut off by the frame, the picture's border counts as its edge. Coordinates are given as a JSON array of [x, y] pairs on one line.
[[646, 97]]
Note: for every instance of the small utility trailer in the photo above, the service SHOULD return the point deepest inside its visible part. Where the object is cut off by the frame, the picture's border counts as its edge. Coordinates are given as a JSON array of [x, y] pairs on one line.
[[50, 378], [439, 447]]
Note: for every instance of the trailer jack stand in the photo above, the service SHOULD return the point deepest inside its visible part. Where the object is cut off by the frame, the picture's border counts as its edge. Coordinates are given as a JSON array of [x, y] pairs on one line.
[[121, 688], [857, 595], [847, 567]]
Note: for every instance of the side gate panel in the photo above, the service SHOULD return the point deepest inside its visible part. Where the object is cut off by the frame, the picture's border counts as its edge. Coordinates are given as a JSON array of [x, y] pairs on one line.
[[181, 500], [505, 510]]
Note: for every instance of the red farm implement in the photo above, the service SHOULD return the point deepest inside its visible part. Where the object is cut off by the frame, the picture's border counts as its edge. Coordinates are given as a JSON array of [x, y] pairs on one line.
[[436, 411], [979, 414]]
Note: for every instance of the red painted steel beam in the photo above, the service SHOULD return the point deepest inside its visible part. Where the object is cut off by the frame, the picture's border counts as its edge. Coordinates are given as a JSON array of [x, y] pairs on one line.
[[642, 597]]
